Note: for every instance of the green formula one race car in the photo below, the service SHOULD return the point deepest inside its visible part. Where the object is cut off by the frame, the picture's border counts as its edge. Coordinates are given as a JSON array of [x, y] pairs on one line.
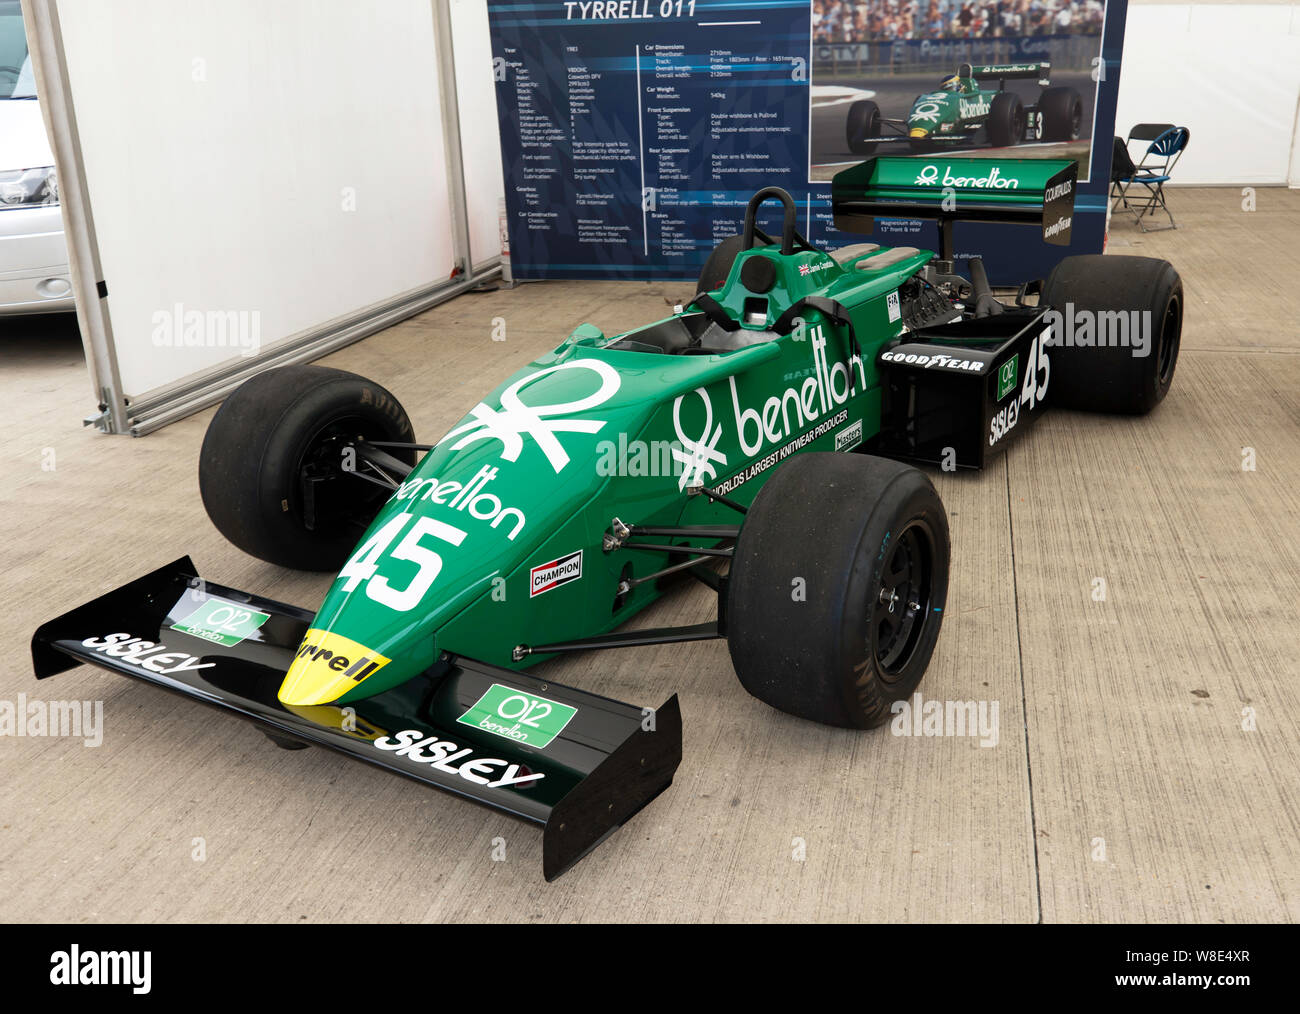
[[757, 440], [963, 114]]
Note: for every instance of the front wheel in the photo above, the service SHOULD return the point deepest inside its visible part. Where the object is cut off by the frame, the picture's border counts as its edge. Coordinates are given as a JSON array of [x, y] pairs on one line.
[[837, 587], [272, 471], [862, 122]]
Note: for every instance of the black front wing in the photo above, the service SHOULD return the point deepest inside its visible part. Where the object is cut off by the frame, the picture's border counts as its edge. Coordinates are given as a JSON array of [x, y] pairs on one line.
[[602, 767]]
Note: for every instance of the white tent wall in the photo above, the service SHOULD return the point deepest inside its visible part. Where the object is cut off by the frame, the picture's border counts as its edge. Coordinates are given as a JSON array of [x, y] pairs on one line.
[[1229, 72], [480, 139], [262, 182]]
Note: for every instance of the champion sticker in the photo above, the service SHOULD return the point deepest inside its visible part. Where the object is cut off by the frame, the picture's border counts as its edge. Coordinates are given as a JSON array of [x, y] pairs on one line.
[[555, 573]]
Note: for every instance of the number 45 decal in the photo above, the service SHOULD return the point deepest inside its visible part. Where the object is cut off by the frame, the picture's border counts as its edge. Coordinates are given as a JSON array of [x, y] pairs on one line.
[[364, 565], [1037, 372]]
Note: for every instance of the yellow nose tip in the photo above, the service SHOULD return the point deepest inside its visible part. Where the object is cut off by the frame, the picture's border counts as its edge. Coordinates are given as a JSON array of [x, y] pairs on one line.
[[917, 132], [326, 667]]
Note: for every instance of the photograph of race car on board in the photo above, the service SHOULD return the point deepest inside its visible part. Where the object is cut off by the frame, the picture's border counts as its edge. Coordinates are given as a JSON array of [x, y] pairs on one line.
[[976, 77]]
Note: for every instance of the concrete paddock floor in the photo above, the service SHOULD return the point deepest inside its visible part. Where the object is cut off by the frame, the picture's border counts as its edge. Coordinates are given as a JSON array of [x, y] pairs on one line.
[[1148, 748]]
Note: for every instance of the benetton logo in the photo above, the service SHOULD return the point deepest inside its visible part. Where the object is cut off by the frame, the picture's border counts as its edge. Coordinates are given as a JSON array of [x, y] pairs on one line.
[[994, 180], [552, 575]]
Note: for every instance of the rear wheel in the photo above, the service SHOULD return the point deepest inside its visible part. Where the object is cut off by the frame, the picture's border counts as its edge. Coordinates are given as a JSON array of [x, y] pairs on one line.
[[718, 267], [863, 121], [1006, 120], [271, 471], [837, 587], [1132, 304], [1062, 112]]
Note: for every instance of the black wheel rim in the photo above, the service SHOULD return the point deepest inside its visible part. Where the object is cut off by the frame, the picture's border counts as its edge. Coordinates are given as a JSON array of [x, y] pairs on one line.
[[341, 504], [1169, 337], [900, 610], [1076, 121]]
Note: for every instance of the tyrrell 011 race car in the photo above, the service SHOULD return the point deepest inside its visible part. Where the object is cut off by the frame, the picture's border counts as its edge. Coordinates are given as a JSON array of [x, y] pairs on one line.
[[787, 398], [958, 113]]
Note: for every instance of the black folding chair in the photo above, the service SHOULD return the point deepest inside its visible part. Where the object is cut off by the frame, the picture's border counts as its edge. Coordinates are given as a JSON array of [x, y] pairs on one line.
[[1151, 174], [1121, 165], [1148, 132]]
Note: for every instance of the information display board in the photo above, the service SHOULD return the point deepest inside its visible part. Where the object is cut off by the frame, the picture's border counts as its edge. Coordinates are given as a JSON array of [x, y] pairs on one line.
[[634, 131]]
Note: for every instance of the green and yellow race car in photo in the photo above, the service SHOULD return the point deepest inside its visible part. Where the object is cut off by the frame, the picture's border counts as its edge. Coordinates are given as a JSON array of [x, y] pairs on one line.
[[963, 113], [762, 439]]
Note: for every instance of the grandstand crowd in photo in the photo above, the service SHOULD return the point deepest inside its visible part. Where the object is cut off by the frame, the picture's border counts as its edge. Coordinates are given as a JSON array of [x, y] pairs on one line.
[[889, 20]]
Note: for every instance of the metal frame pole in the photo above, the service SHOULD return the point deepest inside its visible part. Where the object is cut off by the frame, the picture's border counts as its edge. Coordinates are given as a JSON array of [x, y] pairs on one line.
[[89, 288]]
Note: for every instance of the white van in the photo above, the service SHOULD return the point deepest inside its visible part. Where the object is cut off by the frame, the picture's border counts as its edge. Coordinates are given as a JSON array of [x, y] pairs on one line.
[[33, 255]]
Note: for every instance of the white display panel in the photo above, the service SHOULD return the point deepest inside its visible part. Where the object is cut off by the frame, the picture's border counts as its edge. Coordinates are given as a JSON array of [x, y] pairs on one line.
[[480, 137], [1228, 72], [271, 166]]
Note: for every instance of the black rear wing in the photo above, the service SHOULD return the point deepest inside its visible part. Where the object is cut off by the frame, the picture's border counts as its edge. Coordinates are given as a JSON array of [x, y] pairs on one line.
[[1042, 71], [1026, 191]]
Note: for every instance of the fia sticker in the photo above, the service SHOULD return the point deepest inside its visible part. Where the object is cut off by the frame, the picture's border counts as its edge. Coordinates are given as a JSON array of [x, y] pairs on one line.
[[895, 313]]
